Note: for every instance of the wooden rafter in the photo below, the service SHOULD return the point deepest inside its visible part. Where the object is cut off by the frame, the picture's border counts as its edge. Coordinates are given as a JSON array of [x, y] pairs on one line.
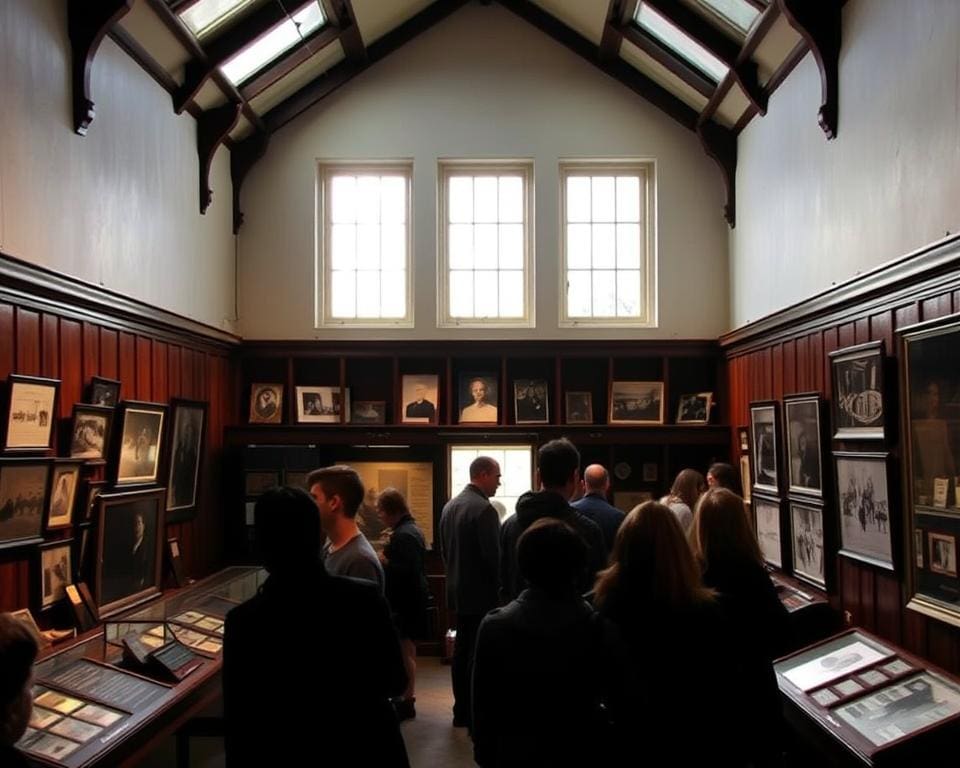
[[659, 53], [612, 38]]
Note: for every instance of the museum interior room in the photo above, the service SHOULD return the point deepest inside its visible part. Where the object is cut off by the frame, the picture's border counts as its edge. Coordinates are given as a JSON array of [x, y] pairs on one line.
[[241, 240]]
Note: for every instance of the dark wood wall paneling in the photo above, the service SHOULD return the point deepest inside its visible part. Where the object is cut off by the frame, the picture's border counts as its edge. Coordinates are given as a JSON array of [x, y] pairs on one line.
[[775, 361]]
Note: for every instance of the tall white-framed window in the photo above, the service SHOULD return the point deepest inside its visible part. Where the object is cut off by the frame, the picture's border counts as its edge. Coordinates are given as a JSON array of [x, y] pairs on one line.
[[485, 243], [364, 244], [608, 237], [516, 472]]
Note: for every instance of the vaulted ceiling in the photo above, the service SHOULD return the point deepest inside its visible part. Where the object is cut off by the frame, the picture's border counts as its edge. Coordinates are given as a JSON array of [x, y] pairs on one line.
[[245, 68]]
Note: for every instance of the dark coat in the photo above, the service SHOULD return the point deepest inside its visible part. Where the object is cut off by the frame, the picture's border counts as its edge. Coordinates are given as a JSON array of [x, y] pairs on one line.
[[605, 515], [406, 578], [470, 545]]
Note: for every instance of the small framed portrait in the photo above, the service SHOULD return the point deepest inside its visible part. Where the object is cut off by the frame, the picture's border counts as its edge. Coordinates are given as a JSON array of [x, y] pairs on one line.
[[806, 527], [23, 500], [579, 408], [91, 489], [863, 498], [858, 412], [103, 392], [636, 402], [90, 431], [321, 405], [31, 412], [56, 571], [478, 399], [943, 554], [186, 456], [530, 401], [141, 435], [369, 412], [765, 429], [265, 403], [129, 549], [695, 408], [766, 511], [744, 434], [804, 455], [419, 394], [63, 492]]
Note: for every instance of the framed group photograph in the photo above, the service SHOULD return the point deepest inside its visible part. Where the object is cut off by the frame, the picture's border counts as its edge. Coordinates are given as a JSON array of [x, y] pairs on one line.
[[56, 571], [141, 435], [530, 401], [636, 402], [695, 408], [31, 413], [858, 411], [420, 396], [804, 451], [579, 408], [766, 512], [863, 499], [63, 492], [477, 399], [765, 430], [369, 412], [265, 403], [23, 500], [129, 549], [90, 431], [186, 456], [806, 525], [321, 405]]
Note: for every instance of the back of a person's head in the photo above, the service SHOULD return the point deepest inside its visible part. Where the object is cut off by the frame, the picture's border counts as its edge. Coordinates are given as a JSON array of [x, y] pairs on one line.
[[651, 564], [482, 465], [595, 478], [721, 534], [726, 477], [340, 480], [287, 529], [18, 650], [687, 487], [392, 502], [552, 556], [556, 462]]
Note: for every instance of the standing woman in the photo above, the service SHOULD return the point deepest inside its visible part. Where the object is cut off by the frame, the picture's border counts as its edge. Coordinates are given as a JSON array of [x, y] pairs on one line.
[[684, 493], [406, 585]]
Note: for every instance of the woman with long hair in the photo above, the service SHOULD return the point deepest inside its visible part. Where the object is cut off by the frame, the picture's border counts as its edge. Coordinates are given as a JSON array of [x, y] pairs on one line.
[[723, 475], [684, 493]]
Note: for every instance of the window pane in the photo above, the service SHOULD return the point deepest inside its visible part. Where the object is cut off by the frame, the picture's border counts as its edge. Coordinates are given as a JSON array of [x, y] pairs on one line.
[[517, 471], [460, 246], [604, 293], [485, 293], [628, 246], [604, 205], [674, 37], [461, 294], [485, 198], [393, 294], [368, 293], [628, 198], [343, 199], [604, 246], [578, 293], [343, 246], [393, 247], [578, 198], [393, 200], [460, 204], [511, 199], [579, 239], [205, 16], [368, 246], [628, 293], [485, 245], [368, 199], [343, 297], [511, 293], [511, 246], [738, 12]]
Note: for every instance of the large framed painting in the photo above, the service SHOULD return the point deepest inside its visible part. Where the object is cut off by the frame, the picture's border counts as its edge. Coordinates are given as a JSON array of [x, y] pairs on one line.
[[858, 396], [636, 402], [764, 452], [804, 455], [186, 455], [863, 499], [137, 456], [23, 500], [807, 533], [31, 413]]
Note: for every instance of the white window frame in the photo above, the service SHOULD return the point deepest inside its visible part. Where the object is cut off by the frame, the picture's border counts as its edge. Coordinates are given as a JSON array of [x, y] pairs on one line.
[[446, 168], [326, 169], [646, 169], [455, 486]]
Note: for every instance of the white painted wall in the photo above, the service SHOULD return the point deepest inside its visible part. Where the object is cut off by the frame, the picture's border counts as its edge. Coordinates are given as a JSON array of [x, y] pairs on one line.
[[117, 208], [482, 83], [813, 213]]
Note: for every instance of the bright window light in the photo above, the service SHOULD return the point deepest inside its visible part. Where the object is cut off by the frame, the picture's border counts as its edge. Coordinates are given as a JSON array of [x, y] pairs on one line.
[[738, 13], [678, 41], [206, 16], [516, 472]]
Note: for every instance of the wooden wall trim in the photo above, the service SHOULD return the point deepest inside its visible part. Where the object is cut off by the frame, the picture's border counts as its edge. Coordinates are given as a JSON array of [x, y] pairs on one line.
[[928, 271], [29, 285]]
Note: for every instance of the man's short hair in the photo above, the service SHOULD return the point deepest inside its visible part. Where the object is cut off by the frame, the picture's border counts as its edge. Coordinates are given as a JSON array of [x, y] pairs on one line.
[[482, 465], [552, 556], [597, 479], [287, 528], [18, 650], [557, 461], [342, 481]]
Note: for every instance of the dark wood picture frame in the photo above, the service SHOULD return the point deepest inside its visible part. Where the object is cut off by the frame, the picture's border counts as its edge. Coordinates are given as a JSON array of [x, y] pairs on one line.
[[185, 457], [803, 444], [24, 488], [695, 408], [62, 493], [31, 413], [767, 514], [578, 408], [266, 403], [472, 411], [419, 398], [765, 446], [138, 443], [636, 402], [859, 401], [531, 401], [808, 541], [53, 574], [91, 489], [103, 392], [90, 430], [864, 500], [368, 412]]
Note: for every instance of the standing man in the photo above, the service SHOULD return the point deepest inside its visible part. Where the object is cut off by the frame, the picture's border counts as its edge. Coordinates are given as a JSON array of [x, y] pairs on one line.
[[470, 546], [338, 493], [596, 484]]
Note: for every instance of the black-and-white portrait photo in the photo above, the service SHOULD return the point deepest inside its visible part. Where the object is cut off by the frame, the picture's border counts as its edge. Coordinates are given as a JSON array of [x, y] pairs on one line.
[[90, 431], [104, 392], [141, 435], [768, 530], [265, 402], [185, 454], [807, 527], [128, 541], [858, 392], [864, 508], [763, 427], [943, 554], [579, 408], [636, 402], [530, 401], [55, 572], [23, 497], [694, 409], [63, 489], [320, 404], [419, 394], [803, 444]]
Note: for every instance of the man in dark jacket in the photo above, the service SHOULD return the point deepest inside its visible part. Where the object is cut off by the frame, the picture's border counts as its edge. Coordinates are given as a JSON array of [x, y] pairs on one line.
[[558, 472], [594, 504]]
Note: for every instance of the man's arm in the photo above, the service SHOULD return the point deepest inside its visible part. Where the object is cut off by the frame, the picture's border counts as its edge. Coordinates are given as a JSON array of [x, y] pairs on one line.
[[488, 535]]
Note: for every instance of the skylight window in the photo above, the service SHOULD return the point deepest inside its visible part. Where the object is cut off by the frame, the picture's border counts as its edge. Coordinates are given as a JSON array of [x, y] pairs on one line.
[[204, 17], [678, 41], [738, 13], [274, 43]]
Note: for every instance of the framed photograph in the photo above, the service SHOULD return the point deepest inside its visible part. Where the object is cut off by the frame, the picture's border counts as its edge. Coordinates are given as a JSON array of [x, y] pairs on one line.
[[321, 405], [265, 403], [695, 409], [625, 501], [63, 492], [23, 500], [478, 399], [766, 513], [104, 392], [186, 456], [420, 395], [744, 434], [369, 412], [832, 659], [636, 402], [92, 489], [31, 412], [804, 451], [579, 408], [806, 527], [530, 401], [56, 571], [129, 549], [858, 412], [863, 499], [765, 429], [26, 617], [141, 435], [90, 432], [943, 554]]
